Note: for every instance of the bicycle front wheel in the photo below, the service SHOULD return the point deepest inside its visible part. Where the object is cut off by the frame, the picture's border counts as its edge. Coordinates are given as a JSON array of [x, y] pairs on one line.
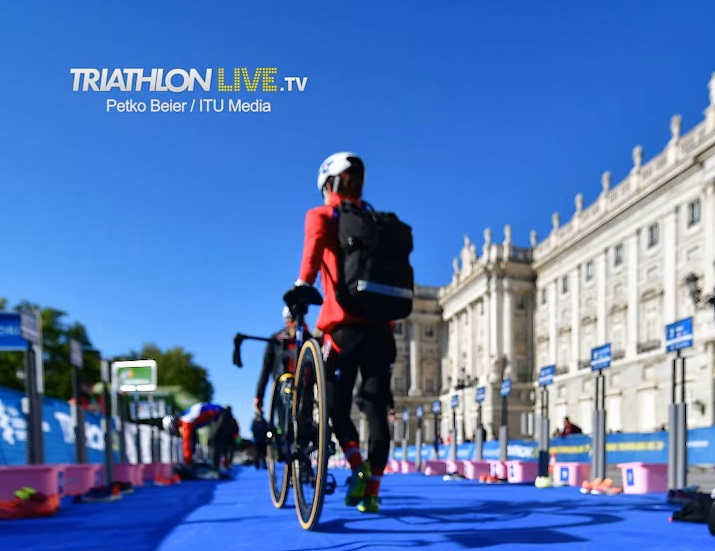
[[310, 426], [277, 452]]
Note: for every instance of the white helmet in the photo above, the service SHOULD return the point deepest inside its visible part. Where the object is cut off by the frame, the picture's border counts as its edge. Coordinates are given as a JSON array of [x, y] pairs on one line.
[[287, 316], [336, 164], [168, 425]]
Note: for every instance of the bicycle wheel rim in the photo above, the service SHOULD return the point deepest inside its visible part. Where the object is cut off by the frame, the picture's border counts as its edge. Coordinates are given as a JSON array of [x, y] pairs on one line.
[[310, 463], [278, 467]]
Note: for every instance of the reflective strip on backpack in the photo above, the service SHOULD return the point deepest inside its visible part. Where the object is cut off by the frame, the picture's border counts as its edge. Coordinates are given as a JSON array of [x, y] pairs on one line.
[[381, 289]]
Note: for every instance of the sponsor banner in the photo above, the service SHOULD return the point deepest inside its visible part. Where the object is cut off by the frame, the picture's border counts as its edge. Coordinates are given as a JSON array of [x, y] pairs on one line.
[[620, 448], [57, 431], [701, 446], [10, 338]]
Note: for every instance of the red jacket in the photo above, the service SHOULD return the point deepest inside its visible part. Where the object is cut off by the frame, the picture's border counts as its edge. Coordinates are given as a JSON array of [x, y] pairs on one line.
[[320, 255], [570, 428]]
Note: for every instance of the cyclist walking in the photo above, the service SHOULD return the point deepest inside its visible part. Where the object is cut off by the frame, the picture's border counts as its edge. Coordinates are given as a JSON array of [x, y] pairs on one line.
[[223, 438], [278, 357], [350, 343]]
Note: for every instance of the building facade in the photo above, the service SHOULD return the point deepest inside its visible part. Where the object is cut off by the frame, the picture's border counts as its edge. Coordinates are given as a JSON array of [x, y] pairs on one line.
[[640, 257], [617, 273]]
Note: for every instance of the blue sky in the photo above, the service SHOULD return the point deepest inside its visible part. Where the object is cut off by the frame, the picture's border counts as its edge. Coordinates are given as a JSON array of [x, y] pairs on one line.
[[184, 228]]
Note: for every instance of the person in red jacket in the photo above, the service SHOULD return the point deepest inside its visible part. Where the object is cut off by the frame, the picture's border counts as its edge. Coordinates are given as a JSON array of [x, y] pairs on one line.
[[570, 428], [349, 343], [191, 419]]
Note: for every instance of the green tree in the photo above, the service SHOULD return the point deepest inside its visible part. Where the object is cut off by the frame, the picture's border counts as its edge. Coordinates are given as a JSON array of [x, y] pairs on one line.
[[56, 335], [175, 366]]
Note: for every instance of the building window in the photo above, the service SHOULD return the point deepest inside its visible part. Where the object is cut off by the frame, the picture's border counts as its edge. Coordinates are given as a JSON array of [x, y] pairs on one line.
[[618, 255], [564, 284], [589, 270], [429, 331], [653, 235], [398, 328], [521, 301], [693, 212], [543, 296]]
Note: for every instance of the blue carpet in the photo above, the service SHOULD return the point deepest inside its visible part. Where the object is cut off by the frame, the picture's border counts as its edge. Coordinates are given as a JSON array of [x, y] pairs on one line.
[[416, 511]]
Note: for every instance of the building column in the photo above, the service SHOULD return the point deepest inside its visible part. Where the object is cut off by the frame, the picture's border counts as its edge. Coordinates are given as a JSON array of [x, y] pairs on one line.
[[633, 259], [552, 298], [708, 217], [488, 350], [452, 350], [601, 269], [415, 371], [508, 326], [670, 286], [495, 321], [476, 360], [575, 277], [459, 339], [708, 266], [472, 340]]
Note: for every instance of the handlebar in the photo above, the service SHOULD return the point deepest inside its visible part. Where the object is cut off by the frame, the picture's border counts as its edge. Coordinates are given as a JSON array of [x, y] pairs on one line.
[[237, 340], [297, 298]]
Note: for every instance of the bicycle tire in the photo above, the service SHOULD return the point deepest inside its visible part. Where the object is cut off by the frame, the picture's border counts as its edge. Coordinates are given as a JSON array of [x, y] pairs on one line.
[[310, 427], [277, 461]]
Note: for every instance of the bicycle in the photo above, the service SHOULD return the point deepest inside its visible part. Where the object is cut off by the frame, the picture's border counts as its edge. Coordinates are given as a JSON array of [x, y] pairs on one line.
[[299, 444]]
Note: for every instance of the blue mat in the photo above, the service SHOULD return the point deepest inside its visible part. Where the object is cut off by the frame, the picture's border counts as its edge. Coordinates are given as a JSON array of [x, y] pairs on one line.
[[416, 511]]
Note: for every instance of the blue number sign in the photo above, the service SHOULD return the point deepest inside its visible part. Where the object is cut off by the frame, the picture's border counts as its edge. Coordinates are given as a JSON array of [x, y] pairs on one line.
[[601, 357], [546, 375], [679, 335]]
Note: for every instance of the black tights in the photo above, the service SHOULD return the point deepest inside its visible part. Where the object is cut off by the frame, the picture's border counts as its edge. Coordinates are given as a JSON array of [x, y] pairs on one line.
[[371, 350]]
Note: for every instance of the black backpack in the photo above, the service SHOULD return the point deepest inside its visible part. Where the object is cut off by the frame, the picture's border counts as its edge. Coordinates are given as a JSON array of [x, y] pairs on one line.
[[375, 277]]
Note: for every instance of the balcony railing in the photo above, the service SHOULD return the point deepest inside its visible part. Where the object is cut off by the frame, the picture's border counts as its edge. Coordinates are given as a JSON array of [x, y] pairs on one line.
[[618, 354], [584, 364], [633, 184], [647, 346]]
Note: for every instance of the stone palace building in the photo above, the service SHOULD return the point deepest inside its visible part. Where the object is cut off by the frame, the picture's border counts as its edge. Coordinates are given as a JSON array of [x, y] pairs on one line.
[[617, 271]]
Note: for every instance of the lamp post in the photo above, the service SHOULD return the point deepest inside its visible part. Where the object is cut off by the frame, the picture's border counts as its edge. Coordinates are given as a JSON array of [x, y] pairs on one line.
[[478, 434], [453, 431], [31, 331], [419, 411], [405, 426], [76, 360], [436, 410], [691, 281], [462, 383]]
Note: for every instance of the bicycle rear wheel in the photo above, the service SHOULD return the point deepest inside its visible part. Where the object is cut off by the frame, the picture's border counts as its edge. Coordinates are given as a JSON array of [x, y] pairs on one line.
[[310, 418], [277, 452]]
